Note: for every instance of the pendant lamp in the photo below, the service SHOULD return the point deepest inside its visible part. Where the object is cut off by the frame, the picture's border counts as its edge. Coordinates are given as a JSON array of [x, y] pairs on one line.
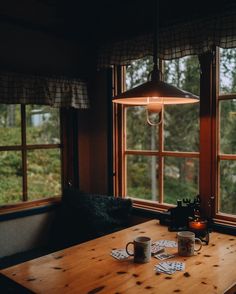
[[155, 93]]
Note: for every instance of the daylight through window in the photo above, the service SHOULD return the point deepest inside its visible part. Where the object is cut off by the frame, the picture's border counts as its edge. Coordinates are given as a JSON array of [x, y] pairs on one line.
[[30, 153], [161, 162]]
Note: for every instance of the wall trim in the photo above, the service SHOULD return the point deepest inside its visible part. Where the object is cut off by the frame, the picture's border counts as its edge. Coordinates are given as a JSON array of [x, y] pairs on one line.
[[28, 212]]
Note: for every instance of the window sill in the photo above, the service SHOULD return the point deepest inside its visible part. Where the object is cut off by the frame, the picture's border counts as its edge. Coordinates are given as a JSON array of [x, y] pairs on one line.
[[154, 212], [151, 205], [12, 211]]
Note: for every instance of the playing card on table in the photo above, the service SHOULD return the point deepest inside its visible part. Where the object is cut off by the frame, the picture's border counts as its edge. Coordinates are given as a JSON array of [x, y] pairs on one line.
[[164, 269], [166, 243], [119, 254], [169, 267], [155, 248], [177, 265], [163, 256]]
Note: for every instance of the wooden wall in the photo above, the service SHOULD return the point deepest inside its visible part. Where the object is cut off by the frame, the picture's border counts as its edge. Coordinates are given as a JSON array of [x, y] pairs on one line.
[[93, 137], [25, 50]]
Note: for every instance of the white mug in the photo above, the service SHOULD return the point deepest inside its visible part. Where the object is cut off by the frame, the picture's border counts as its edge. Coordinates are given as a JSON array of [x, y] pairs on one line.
[[142, 249], [186, 243]]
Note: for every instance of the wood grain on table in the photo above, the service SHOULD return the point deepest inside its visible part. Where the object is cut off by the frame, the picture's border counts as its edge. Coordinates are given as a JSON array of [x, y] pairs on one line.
[[89, 268]]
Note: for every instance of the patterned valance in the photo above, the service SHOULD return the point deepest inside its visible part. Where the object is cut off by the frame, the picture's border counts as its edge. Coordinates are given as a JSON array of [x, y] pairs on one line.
[[175, 41], [57, 92]]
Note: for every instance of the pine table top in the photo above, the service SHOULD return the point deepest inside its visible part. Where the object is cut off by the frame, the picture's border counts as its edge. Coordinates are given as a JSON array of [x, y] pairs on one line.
[[89, 267]]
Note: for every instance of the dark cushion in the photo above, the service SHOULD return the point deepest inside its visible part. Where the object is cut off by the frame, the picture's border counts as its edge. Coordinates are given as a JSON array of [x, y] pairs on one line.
[[84, 216]]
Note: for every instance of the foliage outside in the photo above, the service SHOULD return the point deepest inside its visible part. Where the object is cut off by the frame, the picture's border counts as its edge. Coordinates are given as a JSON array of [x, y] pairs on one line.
[[181, 133], [43, 165]]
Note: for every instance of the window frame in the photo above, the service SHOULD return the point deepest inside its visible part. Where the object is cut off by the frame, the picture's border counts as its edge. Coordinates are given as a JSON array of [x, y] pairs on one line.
[[208, 139], [161, 154], [69, 153], [220, 216]]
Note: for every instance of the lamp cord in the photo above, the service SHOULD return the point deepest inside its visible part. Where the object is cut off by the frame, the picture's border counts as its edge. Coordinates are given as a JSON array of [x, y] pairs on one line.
[[156, 33], [155, 74]]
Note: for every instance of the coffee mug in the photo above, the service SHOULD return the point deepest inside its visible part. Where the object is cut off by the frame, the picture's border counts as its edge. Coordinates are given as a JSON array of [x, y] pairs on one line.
[[186, 243], [142, 249]]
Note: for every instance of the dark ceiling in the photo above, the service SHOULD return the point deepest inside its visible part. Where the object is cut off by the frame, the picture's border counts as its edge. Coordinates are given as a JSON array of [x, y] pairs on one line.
[[102, 20]]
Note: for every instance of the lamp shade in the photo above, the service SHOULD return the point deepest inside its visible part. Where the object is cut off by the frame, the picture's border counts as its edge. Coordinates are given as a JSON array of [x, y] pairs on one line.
[[153, 90]]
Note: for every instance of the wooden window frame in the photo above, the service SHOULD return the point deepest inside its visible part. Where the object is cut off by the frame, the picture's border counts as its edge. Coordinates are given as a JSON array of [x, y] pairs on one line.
[[69, 159], [220, 216], [208, 152], [120, 151]]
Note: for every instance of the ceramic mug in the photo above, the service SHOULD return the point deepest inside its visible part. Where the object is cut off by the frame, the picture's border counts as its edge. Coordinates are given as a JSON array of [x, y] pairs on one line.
[[142, 249], [186, 243]]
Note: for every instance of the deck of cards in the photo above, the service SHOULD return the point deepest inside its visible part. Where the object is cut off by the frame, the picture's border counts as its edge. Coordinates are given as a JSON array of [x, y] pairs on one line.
[[169, 267], [166, 243], [119, 254], [155, 249], [163, 256]]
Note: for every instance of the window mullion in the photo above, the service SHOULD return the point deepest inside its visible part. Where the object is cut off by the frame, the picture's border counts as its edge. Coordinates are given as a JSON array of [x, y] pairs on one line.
[[160, 159], [207, 159], [24, 152]]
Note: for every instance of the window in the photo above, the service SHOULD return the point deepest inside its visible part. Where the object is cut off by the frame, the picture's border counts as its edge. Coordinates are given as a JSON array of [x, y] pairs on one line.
[[193, 150], [161, 162], [227, 133], [30, 153]]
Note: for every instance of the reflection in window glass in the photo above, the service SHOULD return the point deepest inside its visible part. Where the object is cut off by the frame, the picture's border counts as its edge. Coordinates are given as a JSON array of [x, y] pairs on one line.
[[142, 177], [181, 127], [44, 173], [42, 125], [10, 177], [139, 134], [228, 126], [10, 125], [180, 178], [227, 71], [228, 186]]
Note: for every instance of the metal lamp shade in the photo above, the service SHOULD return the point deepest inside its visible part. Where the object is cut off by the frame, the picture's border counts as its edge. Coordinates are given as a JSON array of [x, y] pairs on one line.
[[153, 90]]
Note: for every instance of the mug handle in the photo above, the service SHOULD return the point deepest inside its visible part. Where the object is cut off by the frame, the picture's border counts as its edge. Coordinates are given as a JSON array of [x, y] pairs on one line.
[[126, 248], [200, 243]]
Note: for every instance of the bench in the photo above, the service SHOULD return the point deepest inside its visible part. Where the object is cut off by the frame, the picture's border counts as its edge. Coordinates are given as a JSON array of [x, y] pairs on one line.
[[80, 217]]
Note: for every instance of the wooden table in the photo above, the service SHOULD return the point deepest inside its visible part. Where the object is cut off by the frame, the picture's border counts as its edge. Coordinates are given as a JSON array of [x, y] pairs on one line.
[[89, 268]]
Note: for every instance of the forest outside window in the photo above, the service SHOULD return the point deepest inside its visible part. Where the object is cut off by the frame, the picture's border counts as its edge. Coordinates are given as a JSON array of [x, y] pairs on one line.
[[161, 163], [227, 134], [30, 153]]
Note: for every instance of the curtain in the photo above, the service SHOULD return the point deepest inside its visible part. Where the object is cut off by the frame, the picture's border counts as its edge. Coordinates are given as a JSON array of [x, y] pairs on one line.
[[175, 41], [57, 92]]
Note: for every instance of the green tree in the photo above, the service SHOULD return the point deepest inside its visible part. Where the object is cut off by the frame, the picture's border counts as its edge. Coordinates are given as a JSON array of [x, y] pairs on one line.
[[181, 122]]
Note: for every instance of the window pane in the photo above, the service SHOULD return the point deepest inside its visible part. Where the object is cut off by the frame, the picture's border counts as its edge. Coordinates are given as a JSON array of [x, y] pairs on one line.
[[227, 71], [180, 178], [142, 179], [183, 73], [181, 127], [44, 173], [10, 125], [139, 134], [228, 186], [181, 122], [43, 125], [228, 126], [137, 72], [10, 177]]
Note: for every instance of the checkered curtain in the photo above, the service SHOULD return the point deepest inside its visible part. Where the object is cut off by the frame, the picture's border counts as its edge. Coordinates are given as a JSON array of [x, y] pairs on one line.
[[175, 41], [57, 92]]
